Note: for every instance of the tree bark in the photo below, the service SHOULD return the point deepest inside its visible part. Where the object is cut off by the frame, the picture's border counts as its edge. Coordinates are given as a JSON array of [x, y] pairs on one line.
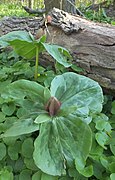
[[66, 5], [92, 45]]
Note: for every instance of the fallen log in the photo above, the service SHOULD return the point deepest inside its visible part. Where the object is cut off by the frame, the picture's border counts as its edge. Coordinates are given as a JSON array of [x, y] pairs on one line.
[[91, 44]]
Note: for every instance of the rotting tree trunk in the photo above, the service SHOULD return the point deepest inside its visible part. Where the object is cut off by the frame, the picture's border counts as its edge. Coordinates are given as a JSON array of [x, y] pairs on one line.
[[92, 45]]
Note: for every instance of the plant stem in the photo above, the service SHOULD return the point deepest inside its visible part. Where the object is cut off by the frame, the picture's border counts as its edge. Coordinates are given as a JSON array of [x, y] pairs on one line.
[[36, 65]]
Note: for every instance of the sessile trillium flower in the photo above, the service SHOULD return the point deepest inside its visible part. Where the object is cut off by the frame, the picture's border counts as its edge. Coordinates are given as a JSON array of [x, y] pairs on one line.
[[52, 106], [62, 136]]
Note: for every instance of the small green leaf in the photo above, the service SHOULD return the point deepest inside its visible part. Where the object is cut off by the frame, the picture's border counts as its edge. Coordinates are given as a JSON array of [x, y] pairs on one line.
[[48, 177], [96, 150], [112, 147], [25, 175], [14, 150], [29, 162], [21, 112], [100, 125], [6, 175], [19, 165], [2, 151], [9, 141], [80, 166], [102, 138], [113, 107], [76, 68], [112, 167], [37, 175], [112, 176], [27, 148], [112, 142], [104, 162], [2, 117], [8, 109]]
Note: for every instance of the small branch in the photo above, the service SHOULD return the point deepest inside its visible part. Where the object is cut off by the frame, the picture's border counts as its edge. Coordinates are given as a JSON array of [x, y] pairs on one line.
[[77, 10], [33, 11]]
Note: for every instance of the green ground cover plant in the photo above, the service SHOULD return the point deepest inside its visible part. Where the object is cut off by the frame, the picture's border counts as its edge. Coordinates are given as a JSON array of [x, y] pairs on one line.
[[55, 125], [12, 9], [99, 16]]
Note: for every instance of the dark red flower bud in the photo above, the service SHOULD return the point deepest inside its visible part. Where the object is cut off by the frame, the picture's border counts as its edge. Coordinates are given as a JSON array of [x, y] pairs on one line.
[[52, 106]]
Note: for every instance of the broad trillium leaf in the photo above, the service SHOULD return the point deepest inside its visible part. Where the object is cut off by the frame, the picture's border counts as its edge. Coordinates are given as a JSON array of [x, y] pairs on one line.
[[23, 43], [76, 90], [20, 127], [24, 48], [11, 36], [42, 118], [20, 89], [60, 140], [59, 53]]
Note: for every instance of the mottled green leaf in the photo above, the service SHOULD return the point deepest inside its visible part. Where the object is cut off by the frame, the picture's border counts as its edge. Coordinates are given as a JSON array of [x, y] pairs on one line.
[[75, 90], [22, 88], [42, 118], [59, 141], [25, 126]]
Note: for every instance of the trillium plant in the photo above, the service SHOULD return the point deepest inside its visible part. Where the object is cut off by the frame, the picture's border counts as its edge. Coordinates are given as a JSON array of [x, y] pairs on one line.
[[28, 47], [60, 118], [56, 131]]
